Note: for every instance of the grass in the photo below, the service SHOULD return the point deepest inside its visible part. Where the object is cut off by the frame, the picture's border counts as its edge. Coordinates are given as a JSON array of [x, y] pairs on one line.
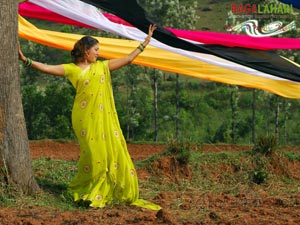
[[53, 177], [292, 156], [224, 172]]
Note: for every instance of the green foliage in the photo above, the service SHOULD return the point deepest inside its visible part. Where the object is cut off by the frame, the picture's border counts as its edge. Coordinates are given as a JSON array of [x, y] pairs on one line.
[[292, 156], [222, 134], [180, 149], [265, 145], [133, 101], [259, 176], [48, 111], [173, 13], [263, 152], [259, 173]]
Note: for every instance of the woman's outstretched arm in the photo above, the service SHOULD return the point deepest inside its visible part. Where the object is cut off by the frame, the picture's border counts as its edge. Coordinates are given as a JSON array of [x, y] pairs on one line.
[[56, 70], [120, 62]]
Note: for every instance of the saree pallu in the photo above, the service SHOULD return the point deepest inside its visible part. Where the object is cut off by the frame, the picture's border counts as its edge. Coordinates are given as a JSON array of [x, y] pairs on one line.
[[106, 173]]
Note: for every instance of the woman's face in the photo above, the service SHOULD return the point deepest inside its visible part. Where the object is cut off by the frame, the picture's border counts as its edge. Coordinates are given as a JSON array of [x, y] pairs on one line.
[[92, 53]]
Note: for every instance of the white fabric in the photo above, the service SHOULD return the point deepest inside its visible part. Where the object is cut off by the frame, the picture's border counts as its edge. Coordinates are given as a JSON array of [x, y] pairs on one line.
[[88, 14]]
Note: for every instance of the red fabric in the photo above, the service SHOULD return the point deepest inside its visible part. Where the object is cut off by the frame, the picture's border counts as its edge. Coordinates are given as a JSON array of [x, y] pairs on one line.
[[30, 10]]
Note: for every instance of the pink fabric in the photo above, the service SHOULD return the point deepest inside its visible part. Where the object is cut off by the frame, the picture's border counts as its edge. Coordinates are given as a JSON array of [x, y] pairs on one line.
[[30, 10], [238, 40]]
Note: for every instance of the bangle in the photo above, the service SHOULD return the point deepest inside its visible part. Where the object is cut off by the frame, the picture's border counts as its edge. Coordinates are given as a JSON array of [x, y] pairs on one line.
[[141, 47], [28, 62]]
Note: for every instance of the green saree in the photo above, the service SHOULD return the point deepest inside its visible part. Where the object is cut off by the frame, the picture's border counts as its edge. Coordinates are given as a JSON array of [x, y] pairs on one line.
[[105, 170]]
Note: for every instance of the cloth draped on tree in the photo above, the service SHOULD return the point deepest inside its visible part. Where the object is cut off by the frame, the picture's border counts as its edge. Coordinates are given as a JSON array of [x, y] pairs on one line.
[[106, 173]]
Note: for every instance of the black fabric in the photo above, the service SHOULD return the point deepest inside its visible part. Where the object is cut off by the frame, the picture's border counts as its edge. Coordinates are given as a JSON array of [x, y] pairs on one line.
[[265, 61]]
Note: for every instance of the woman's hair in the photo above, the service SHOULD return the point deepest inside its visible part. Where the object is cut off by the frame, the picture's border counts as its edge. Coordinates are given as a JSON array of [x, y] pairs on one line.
[[81, 46]]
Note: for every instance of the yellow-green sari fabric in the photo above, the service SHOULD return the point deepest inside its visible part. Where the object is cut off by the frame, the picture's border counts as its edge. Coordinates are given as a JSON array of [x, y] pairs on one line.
[[106, 173]]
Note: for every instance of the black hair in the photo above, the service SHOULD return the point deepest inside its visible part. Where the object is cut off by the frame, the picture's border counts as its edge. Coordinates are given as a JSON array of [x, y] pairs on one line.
[[81, 46]]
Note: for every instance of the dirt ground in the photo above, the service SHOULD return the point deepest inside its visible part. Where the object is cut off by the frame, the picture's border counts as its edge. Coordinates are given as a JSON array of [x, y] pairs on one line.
[[259, 208]]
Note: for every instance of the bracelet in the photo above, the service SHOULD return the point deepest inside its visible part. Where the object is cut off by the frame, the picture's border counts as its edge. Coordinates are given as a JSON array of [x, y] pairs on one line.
[[28, 62], [141, 47]]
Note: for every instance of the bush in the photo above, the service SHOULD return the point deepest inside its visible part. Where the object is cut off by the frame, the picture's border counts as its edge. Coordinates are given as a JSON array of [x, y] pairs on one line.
[[265, 145], [259, 176], [181, 151]]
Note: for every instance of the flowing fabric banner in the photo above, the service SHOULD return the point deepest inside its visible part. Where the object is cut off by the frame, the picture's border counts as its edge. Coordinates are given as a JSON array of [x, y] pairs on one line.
[[90, 15], [30, 10], [252, 60], [264, 61], [164, 60]]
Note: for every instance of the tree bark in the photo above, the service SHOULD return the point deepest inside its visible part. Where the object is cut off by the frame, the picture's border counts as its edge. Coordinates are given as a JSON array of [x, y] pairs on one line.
[[277, 118], [155, 104], [177, 107], [234, 98], [253, 115], [14, 146]]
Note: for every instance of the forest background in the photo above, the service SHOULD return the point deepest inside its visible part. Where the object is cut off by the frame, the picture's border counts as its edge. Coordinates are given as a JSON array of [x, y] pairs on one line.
[[156, 106]]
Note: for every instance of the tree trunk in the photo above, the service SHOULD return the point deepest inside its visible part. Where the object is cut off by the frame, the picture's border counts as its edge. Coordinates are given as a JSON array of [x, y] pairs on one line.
[[286, 106], [277, 119], [177, 107], [253, 114], [155, 104], [14, 147], [234, 98]]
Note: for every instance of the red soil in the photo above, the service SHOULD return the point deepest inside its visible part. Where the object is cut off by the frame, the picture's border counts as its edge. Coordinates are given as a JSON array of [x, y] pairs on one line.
[[178, 207]]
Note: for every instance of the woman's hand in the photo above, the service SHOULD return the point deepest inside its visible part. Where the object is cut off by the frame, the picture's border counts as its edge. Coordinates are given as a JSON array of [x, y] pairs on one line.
[[115, 64], [21, 56], [151, 29]]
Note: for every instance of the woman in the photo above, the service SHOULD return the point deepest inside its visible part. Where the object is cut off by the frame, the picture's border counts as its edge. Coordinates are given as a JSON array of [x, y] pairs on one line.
[[106, 173]]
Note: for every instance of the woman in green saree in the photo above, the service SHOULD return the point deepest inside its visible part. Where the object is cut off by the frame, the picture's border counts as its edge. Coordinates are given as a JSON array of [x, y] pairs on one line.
[[106, 173]]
